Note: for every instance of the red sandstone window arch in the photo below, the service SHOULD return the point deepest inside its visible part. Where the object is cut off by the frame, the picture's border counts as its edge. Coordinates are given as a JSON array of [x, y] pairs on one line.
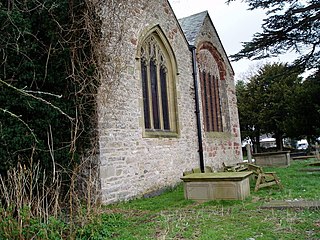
[[211, 72]]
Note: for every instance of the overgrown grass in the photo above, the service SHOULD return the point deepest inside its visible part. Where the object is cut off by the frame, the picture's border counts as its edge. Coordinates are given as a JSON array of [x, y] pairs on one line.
[[170, 216]]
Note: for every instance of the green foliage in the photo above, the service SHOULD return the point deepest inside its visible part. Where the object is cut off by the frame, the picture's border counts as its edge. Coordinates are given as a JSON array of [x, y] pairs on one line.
[[305, 120], [29, 227], [277, 101], [290, 26], [266, 102], [38, 48], [277, 88], [248, 114], [97, 227]]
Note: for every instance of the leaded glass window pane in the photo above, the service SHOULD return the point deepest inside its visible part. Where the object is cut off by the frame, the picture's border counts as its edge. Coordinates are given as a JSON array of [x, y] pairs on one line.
[[146, 108], [211, 103], [164, 98]]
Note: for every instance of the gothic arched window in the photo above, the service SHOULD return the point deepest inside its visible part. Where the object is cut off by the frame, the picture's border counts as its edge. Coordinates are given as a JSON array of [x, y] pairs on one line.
[[210, 91], [158, 88]]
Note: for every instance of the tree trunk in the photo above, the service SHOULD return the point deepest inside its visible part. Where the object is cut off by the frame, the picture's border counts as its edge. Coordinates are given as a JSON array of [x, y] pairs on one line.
[[310, 142], [279, 142], [256, 143]]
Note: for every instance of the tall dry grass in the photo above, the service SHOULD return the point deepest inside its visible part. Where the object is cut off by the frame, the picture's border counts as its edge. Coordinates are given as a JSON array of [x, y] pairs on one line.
[[31, 199]]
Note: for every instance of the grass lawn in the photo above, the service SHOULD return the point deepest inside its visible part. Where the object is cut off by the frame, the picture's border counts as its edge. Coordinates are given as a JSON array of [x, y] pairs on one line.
[[170, 216]]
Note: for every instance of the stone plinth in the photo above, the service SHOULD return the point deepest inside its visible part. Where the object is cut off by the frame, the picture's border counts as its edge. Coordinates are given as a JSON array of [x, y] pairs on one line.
[[217, 186], [272, 159]]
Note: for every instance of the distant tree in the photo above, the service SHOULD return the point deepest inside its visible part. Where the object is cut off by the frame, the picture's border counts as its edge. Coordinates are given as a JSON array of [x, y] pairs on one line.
[[265, 102], [248, 115], [292, 25], [279, 89], [305, 120]]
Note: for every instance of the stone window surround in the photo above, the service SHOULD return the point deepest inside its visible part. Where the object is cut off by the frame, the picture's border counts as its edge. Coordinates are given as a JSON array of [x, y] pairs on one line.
[[171, 69]]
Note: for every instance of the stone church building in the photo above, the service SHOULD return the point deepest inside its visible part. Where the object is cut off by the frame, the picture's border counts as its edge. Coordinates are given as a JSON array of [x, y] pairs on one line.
[[175, 106]]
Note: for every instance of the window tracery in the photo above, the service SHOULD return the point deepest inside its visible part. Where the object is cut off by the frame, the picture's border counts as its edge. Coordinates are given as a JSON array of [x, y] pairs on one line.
[[157, 87]]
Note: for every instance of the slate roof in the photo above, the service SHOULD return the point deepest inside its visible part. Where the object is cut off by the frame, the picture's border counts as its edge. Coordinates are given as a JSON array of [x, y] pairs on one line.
[[191, 25]]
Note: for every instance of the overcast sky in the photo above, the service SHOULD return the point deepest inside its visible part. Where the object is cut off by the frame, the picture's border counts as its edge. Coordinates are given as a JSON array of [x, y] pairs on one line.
[[234, 24]]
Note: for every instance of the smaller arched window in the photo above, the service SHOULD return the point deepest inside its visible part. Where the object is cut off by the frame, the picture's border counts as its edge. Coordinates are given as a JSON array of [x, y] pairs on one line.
[[210, 91], [211, 102], [158, 88]]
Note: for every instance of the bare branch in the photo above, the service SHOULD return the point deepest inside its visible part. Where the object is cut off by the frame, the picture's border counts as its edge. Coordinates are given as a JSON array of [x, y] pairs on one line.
[[23, 92], [20, 120]]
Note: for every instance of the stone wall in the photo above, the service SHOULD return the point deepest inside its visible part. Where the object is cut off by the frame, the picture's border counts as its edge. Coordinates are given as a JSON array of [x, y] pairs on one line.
[[221, 146], [131, 165]]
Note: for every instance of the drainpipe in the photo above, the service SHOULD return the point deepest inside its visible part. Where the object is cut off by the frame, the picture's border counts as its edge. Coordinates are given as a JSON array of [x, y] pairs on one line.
[[195, 82]]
